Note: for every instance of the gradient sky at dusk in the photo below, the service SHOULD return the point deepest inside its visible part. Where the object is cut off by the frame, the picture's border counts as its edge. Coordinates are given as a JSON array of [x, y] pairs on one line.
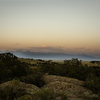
[[66, 24]]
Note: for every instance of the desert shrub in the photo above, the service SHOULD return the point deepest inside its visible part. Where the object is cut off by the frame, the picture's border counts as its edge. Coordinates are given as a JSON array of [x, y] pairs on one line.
[[47, 67], [35, 77], [93, 83], [25, 97], [11, 91], [45, 94], [49, 94], [74, 69], [11, 67]]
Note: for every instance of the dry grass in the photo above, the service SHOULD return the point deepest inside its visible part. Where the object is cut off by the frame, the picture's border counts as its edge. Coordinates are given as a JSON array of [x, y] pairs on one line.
[[69, 86], [26, 60], [29, 88], [53, 78], [60, 85], [90, 64], [33, 61]]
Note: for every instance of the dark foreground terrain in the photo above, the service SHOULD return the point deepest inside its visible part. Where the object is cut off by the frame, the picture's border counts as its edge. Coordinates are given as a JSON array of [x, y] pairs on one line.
[[28, 79]]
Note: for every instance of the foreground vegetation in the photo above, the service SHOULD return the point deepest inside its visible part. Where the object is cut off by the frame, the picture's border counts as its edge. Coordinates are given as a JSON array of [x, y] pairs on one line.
[[27, 79]]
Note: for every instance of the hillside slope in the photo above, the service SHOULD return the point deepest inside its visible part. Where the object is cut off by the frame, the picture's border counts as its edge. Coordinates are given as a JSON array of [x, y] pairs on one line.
[[72, 88]]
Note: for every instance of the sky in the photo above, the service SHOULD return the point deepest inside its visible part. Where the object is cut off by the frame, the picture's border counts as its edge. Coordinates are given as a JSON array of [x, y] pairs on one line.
[[59, 25]]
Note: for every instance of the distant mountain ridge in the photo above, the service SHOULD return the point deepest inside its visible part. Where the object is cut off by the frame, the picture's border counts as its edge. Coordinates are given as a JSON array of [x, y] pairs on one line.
[[52, 55]]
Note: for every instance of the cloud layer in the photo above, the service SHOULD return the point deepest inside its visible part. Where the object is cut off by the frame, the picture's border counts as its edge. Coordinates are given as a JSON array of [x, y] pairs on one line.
[[56, 53]]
